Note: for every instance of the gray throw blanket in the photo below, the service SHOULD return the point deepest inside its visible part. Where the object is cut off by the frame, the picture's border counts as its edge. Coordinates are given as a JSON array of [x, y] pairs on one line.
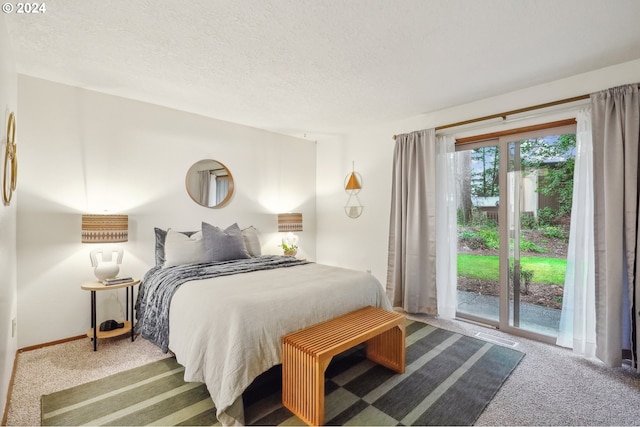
[[159, 284]]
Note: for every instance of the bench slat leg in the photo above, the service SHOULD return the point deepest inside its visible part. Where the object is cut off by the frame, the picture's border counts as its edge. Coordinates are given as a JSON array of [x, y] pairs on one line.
[[303, 380], [388, 349]]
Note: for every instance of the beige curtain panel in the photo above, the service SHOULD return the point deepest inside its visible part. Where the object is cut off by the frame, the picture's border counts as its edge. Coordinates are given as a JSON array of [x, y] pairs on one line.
[[616, 137], [411, 270]]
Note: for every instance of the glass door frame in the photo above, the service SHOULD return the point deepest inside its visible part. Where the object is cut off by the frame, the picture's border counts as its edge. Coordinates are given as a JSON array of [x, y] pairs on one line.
[[505, 308], [467, 316]]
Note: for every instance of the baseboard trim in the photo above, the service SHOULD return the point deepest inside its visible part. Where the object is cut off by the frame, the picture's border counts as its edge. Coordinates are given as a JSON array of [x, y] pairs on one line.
[[9, 390], [48, 344]]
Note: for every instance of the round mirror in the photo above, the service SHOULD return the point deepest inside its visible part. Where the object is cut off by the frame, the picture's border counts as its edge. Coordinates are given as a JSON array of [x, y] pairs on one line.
[[10, 174], [209, 183]]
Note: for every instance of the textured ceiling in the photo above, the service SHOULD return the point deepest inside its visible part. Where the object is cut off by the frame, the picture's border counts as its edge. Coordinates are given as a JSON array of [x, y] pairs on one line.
[[318, 66]]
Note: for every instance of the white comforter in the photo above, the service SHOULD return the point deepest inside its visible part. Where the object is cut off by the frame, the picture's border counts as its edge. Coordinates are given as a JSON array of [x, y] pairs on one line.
[[227, 330]]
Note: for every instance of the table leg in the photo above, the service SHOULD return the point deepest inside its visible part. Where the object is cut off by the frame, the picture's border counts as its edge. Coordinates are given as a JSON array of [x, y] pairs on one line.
[[131, 307], [93, 320]]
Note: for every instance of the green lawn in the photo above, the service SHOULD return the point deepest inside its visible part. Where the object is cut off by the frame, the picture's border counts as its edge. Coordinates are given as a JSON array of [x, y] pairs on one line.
[[546, 270]]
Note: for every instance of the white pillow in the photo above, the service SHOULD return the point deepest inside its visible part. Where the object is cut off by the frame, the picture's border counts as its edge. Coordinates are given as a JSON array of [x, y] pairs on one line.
[[182, 249], [252, 241]]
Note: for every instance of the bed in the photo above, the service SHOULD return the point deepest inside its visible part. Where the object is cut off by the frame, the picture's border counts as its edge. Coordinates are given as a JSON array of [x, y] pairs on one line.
[[224, 320]]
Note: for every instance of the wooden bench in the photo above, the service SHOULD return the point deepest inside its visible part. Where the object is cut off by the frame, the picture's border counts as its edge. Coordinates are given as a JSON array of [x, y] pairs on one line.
[[307, 353]]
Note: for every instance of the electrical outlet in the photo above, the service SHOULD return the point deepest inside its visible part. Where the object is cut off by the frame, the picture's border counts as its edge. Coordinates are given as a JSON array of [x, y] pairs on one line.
[[14, 324]]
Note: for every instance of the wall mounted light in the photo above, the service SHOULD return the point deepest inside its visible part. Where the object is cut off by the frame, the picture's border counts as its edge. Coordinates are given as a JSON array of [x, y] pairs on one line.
[[290, 222], [353, 185], [105, 229]]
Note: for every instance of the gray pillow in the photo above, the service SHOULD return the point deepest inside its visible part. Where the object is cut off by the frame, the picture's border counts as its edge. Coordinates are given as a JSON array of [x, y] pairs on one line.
[[223, 245], [252, 241], [161, 236]]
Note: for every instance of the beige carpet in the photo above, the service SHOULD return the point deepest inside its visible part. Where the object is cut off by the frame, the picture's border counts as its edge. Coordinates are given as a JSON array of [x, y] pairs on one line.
[[551, 386], [58, 367]]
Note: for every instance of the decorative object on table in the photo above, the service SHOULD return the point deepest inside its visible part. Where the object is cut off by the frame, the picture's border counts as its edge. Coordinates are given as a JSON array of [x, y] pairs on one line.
[[117, 281], [290, 222], [290, 244], [10, 169], [353, 185], [105, 229], [110, 325]]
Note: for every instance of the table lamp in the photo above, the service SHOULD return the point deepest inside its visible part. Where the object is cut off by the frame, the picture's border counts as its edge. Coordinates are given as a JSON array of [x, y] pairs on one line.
[[290, 222], [105, 229]]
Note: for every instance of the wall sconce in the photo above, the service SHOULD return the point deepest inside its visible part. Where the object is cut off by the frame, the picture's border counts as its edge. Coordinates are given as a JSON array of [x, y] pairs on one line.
[[353, 185], [290, 222], [105, 229]]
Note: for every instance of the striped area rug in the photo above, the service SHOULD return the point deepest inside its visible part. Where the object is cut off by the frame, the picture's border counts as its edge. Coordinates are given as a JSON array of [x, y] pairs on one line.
[[449, 380]]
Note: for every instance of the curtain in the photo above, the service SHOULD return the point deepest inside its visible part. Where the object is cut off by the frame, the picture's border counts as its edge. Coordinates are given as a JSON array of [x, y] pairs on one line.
[[616, 135], [411, 269], [577, 321], [222, 188], [204, 180], [446, 227]]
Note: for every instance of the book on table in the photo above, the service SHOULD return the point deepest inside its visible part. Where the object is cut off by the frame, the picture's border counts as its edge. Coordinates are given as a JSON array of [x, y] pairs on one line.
[[117, 280]]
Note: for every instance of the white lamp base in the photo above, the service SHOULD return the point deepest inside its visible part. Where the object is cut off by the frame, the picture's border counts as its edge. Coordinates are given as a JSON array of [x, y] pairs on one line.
[[103, 260], [106, 270]]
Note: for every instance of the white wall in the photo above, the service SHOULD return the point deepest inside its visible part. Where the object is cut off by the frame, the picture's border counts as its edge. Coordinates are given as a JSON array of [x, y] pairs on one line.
[[8, 289], [362, 243], [86, 152]]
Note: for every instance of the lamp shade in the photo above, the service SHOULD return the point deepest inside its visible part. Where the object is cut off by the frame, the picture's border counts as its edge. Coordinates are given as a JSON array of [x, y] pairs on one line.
[[105, 228], [290, 222]]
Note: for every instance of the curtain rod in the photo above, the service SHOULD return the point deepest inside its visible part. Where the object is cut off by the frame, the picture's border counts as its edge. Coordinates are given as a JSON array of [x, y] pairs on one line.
[[508, 113]]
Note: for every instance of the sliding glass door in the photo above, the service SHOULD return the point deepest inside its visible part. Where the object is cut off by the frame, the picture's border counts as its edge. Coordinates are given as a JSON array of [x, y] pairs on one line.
[[514, 206], [477, 168]]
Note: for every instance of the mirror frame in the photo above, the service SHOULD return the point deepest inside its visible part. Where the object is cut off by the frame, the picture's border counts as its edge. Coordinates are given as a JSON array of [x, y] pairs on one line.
[[231, 184], [10, 162]]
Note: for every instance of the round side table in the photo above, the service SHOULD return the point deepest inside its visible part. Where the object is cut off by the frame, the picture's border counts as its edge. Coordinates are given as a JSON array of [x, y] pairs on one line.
[[94, 333]]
